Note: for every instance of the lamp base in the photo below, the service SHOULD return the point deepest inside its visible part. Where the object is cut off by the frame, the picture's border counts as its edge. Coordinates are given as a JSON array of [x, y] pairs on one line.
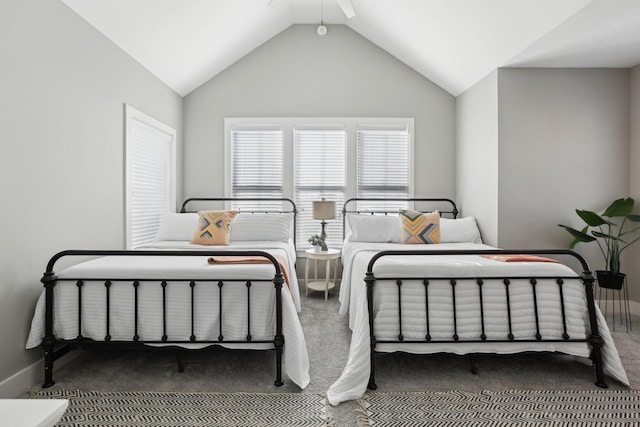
[[323, 234]]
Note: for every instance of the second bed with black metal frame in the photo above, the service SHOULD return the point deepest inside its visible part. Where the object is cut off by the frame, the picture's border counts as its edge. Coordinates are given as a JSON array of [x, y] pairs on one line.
[[372, 280], [55, 347]]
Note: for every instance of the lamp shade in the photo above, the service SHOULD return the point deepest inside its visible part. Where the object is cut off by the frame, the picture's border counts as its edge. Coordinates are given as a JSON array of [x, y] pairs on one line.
[[324, 209]]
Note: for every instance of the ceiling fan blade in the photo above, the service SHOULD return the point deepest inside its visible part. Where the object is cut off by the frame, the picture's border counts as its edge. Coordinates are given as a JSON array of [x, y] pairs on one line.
[[274, 3], [347, 8]]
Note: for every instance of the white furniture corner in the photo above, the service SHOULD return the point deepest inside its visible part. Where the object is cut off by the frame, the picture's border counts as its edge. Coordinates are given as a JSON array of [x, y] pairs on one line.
[[32, 412], [329, 256]]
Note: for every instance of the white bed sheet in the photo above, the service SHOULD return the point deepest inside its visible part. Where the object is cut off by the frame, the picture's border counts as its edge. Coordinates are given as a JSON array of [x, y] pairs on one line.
[[295, 358], [353, 381]]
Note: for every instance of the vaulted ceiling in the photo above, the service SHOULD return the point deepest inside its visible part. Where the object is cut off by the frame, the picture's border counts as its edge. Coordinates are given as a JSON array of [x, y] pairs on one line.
[[453, 43]]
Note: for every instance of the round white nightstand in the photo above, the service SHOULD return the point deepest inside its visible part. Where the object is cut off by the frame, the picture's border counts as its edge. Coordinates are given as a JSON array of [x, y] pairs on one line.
[[321, 285]]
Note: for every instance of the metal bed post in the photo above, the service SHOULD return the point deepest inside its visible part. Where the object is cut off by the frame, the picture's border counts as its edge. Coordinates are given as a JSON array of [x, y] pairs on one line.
[[49, 281], [595, 339], [370, 280], [278, 340]]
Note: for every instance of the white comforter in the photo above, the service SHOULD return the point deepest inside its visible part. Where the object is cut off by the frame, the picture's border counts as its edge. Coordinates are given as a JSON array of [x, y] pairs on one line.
[[353, 381], [296, 362], [285, 250]]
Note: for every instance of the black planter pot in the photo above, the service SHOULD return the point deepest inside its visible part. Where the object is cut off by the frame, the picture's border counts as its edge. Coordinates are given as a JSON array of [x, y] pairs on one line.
[[609, 280]]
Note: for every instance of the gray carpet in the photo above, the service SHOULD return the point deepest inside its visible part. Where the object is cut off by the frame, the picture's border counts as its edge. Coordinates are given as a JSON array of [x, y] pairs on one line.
[[328, 337]]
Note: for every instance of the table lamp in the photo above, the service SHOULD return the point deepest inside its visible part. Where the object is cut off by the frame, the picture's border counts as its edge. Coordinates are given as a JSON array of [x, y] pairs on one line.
[[323, 210]]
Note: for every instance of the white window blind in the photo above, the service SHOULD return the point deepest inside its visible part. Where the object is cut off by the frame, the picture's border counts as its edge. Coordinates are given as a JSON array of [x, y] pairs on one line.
[[150, 178], [311, 158], [256, 165], [383, 164], [319, 172]]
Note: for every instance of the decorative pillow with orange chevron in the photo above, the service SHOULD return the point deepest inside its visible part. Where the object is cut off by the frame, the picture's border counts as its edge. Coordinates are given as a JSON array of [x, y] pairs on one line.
[[420, 228], [214, 227]]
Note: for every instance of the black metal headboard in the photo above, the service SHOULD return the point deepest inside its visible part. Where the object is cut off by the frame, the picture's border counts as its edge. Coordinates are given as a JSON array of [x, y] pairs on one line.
[[452, 209], [285, 209], [292, 209]]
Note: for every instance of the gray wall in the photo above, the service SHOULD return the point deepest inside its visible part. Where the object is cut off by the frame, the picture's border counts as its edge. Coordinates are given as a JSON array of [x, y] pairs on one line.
[[477, 156], [63, 88], [632, 259], [564, 144], [535, 144], [299, 74]]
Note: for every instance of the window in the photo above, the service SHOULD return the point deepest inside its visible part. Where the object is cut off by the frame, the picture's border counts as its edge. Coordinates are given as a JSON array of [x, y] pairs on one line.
[[309, 159], [319, 164], [256, 164], [150, 175], [383, 164]]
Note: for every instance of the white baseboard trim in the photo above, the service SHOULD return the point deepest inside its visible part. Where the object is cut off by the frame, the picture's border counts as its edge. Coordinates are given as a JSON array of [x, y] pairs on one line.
[[31, 376]]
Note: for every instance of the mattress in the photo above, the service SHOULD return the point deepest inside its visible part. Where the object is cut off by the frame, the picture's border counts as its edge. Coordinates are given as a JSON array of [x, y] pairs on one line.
[[353, 381]]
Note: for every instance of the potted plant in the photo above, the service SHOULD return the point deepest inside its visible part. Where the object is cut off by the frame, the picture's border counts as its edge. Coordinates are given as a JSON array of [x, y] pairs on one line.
[[316, 240], [612, 237]]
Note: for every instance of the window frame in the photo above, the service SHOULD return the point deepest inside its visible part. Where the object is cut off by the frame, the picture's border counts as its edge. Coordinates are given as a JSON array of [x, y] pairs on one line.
[[288, 124]]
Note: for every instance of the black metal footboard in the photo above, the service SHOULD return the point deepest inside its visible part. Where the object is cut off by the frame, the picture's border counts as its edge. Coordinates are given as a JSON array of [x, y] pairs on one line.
[[50, 280], [592, 337]]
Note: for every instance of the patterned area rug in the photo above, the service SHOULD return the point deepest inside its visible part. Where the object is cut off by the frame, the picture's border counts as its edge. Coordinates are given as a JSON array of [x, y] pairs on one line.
[[191, 409], [489, 408]]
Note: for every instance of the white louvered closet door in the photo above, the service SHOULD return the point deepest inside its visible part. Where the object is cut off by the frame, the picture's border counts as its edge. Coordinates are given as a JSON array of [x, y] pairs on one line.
[[150, 176]]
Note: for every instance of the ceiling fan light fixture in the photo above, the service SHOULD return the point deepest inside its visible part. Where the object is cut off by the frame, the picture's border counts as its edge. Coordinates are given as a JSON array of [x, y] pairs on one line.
[[322, 30]]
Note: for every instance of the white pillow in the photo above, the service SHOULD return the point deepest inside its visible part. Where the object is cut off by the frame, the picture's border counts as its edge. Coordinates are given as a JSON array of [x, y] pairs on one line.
[[459, 230], [264, 227], [374, 228], [177, 226]]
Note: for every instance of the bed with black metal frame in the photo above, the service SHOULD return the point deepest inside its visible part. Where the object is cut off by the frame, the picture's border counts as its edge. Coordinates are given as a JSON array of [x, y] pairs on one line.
[[463, 298], [138, 277]]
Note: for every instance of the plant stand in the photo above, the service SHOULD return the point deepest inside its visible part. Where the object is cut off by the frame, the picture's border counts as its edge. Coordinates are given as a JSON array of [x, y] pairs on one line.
[[622, 301]]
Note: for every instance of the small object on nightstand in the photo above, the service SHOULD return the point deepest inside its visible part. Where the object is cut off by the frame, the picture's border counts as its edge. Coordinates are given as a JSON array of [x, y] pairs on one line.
[[321, 285]]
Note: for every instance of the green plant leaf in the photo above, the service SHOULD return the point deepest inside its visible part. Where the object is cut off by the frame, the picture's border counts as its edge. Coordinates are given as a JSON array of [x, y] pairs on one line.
[[606, 236], [579, 236], [619, 208], [634, 218], [591, 218]]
